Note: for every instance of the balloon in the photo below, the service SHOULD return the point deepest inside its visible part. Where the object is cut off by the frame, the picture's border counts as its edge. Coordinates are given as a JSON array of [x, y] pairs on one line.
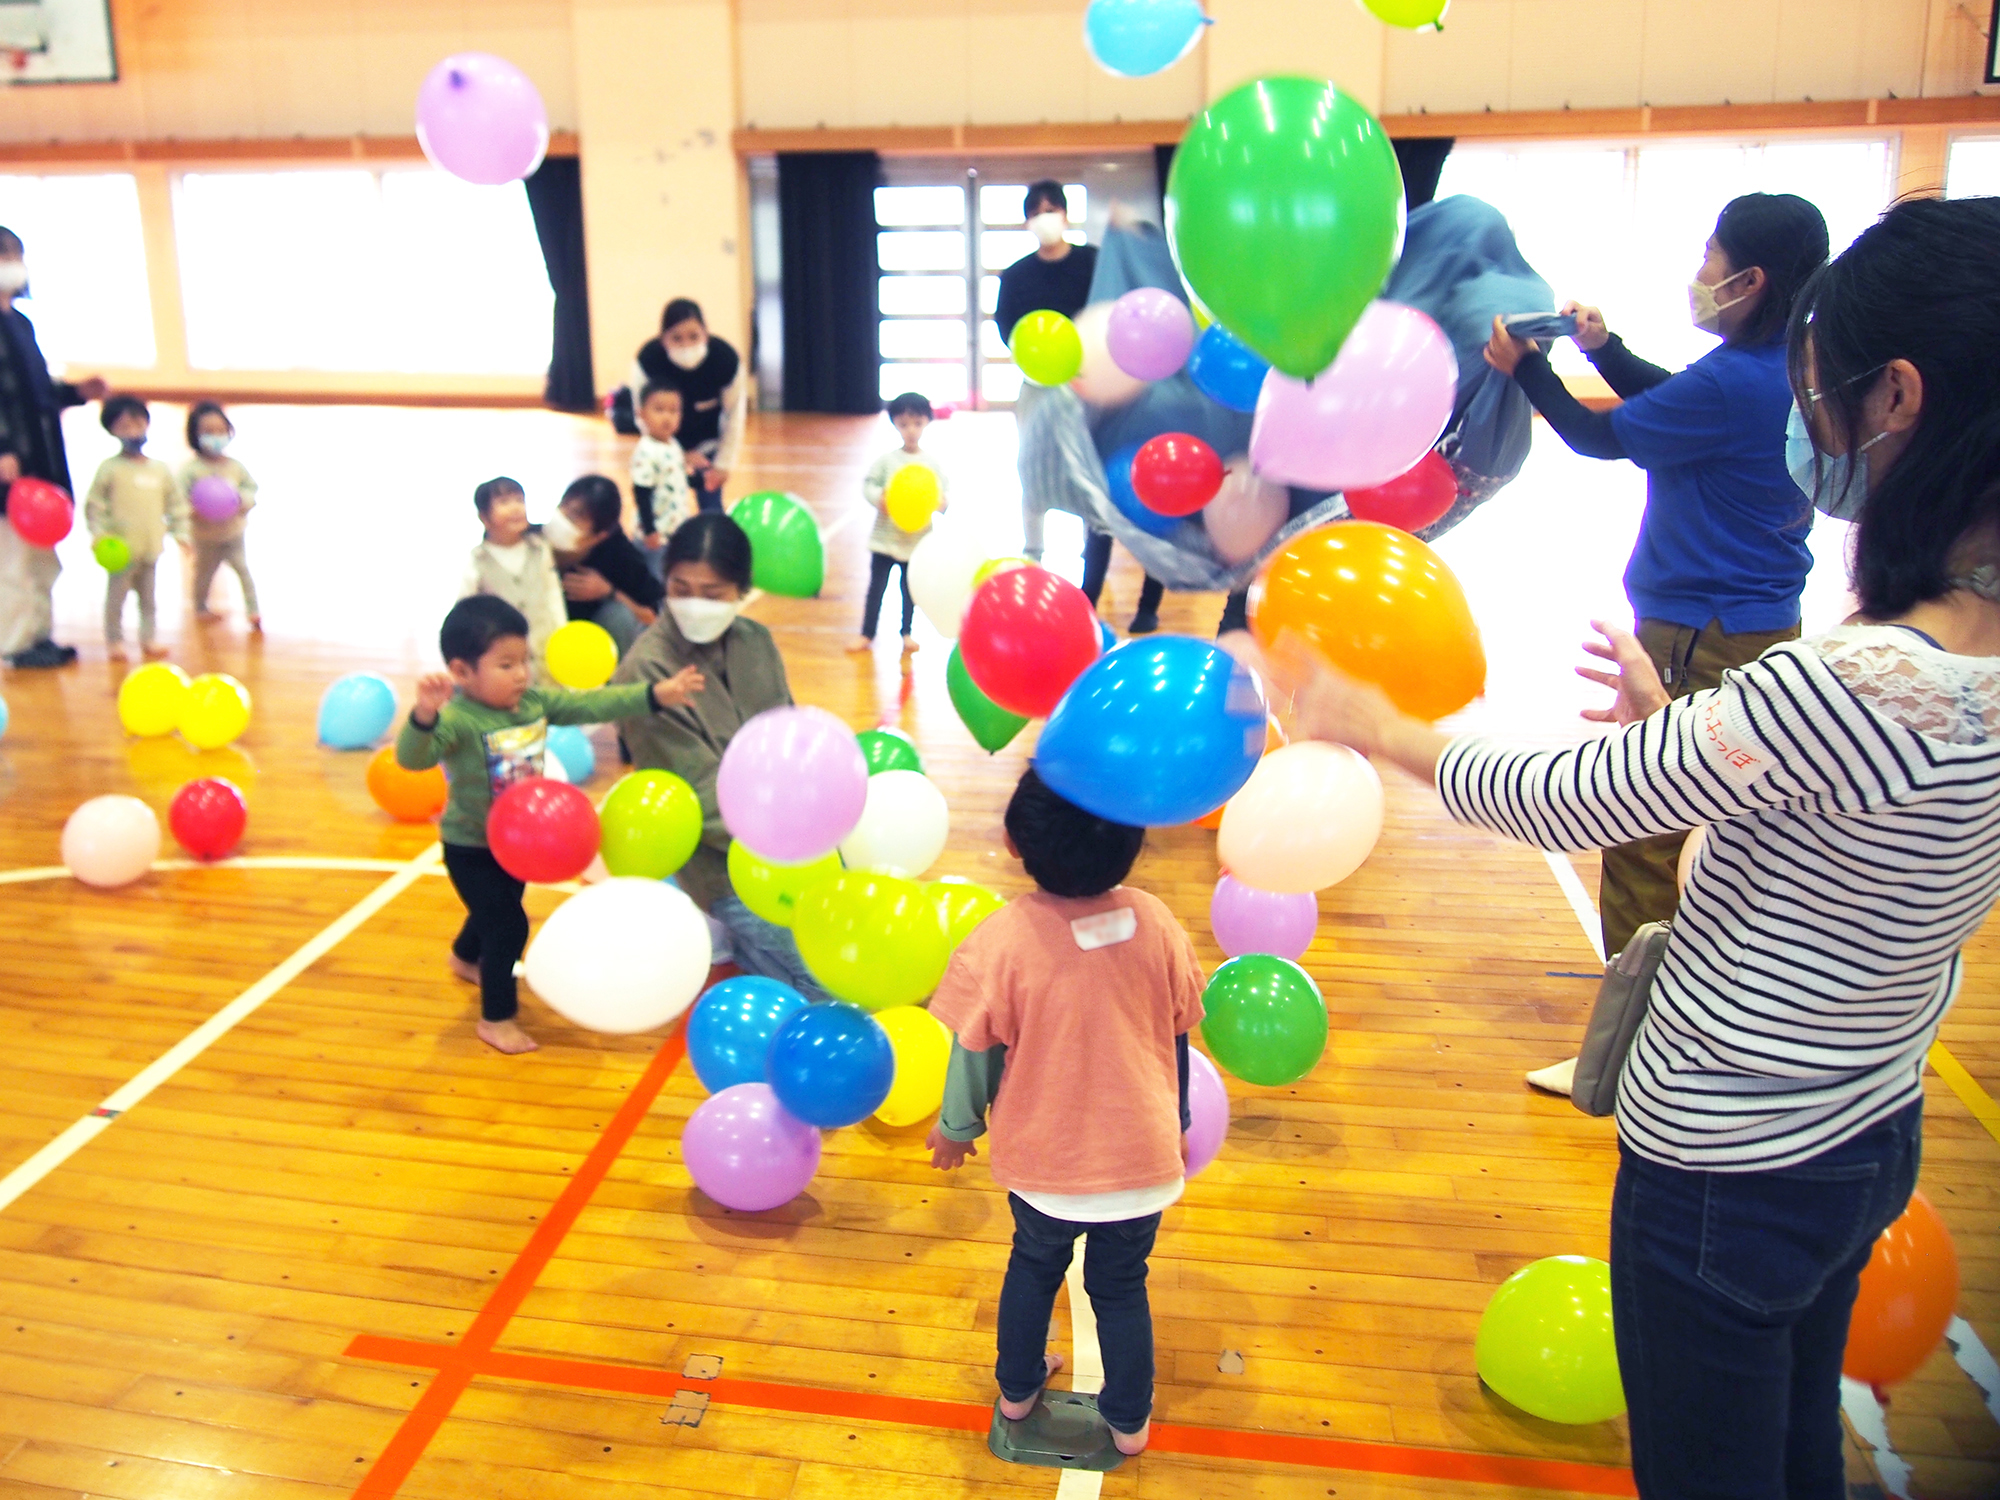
[[355, 711], [110, 841], [1136, 38], [1100, 381], [1225, 370], [961, 906], [113, 553], [1412, 14], [1381, 606], [887, 749], [41, 512], [1909, 1293], [792, 784], [1175, 474], [787, 556], [1118, 483], [1151, 333], [215, 711], [1047, 347], [994, 565], [555, 770], [1106, 636], [1306, 819], [1026, 636], [207, 817], [991, 725], [730, 1029], [1273, 738], [651, 823], [911, 496], [543, 832], [406, 796], [1245, 513], [1157, 732], [1247, 920], [873, 939], [621, 956], [569, 744], [3, 718], [1208, 1106], [480, 119], [1545, 1341], [151, 698], [922, 1047], [746, 1152], [940, 576], [581, 655], [214, 498], [1370, 417], [903, 826], [772, 890], [1420, 496], [1265, 1021], [831, 1065]]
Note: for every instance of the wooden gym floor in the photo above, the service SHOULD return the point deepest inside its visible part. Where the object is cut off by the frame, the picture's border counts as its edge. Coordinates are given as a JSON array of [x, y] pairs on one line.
[[340, 1247]]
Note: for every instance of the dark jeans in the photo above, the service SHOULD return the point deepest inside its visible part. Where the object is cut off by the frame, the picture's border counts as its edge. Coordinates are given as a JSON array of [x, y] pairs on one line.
[[1730, 1294], [1114, 1274], [706, 499], [496, 925], [880, 566]]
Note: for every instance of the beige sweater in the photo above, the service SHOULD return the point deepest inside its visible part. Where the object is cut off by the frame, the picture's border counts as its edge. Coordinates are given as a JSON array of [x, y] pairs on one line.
[[525, 576], [137, 499]]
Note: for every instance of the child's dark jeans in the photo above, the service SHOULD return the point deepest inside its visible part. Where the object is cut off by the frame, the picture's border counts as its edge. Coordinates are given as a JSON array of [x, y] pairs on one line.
[[496, 925]]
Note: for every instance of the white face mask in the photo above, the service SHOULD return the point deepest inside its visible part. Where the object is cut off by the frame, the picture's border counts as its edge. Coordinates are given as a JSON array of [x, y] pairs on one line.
[[1047, 227], [1704, 309], [13, 277], [703, 620], [688, 356], [212, 443], [562, 533]]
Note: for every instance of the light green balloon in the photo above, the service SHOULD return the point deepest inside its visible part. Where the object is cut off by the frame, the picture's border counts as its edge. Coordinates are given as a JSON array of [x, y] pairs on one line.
[[651, 822], [113, 553], [1047, 347], [962, 906], [772, 890], [875, 940], [1545, 1342], [787, 555], [1411, 14]]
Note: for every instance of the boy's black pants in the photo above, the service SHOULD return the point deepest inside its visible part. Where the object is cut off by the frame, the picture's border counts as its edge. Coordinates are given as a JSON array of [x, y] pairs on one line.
[[496, 925]]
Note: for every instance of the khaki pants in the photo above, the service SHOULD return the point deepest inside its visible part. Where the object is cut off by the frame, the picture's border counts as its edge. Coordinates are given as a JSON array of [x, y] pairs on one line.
[[209, 557], [27, 578], [1638, 885], [135, 578]]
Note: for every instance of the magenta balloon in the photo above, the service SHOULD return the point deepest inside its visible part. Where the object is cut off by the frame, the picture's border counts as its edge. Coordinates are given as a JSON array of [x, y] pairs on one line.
[[1366, 418], [1208, 1106], [792, 784], [214, 498], [481, 119], [1247, 920], [1151, 333], [747, 1153]]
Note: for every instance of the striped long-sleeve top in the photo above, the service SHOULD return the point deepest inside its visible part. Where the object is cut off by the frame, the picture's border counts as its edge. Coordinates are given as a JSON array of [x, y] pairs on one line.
[[1853, 787]]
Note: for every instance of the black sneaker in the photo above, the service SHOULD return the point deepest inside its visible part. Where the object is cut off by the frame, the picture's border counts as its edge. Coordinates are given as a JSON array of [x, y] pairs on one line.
[[43, 654], [1143, 624]]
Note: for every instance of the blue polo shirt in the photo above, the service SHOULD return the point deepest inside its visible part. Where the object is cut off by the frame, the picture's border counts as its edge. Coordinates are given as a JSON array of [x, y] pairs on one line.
[[1724, 535]]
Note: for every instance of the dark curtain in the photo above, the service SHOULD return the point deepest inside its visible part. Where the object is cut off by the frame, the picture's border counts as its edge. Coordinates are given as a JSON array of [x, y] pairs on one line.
[[1422, 161], [1163, 164], [555, 197], [826, 223]]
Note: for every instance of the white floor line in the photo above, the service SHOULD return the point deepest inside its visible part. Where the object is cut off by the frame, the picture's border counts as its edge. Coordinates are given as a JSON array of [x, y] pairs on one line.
[[1865, 1415], [1579, 900], [191, 1046], [1977, 1361], [1086, 1363], [333, 863]]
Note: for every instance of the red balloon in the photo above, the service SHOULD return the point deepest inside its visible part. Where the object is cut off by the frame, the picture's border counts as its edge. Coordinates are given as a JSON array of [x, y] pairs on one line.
[[207, 817], [1909, 1291], [1175, 475], [1414, 499], [542, 831], [1027, 634], [41, 512]]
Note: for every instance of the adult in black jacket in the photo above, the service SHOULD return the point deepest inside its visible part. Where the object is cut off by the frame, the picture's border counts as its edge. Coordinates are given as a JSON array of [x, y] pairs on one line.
[[708, 372]]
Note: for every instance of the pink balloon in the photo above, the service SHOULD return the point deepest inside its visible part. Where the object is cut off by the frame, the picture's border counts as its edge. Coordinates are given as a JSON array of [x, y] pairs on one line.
[[214, 498], [1101, 382], [1151, 333], [1208, 1106], [1247, 920], [1306, 819], [481, 119], [747, 1153], [1367, 417], [1245, 513], [792, 784]]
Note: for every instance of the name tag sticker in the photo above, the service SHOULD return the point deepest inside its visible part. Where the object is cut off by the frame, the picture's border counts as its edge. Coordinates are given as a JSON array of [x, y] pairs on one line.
[[1105, 929]]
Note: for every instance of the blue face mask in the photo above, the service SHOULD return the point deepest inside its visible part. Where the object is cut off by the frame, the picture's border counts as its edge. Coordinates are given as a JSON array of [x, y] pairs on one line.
[[1838, 486]]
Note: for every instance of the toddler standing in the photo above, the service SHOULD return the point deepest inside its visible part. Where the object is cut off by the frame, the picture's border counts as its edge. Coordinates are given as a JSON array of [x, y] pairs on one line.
[[515, 562], [217, 542], [889, 545], [138, 500], [659, 468]]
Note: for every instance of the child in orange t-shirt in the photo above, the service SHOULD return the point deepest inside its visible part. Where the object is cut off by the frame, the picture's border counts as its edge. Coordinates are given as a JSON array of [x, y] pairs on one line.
[[1071, 1008]]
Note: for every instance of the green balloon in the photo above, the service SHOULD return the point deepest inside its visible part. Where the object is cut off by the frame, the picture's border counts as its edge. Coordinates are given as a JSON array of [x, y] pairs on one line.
[[1545, 1341], [772, 890], [875, 940], [888, 750], [962, 906], [113, 553], [990, 724], [1047, 347], [786, 554], [1285, 213], [1265, 1022], [651, 822]]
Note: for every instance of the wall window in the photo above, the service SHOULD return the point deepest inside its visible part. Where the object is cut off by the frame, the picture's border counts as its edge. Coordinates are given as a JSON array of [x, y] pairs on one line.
[[87, 261], [1973, 169]]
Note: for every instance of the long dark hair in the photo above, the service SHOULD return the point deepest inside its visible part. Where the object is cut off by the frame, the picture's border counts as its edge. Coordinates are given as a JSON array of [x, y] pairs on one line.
[[711, 538], [1921, 284], [1786, 236]]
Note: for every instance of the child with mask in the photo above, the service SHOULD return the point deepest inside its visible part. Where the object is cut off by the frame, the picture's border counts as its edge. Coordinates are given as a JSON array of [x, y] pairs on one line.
[[605, 577], [209, 431], [137, 500], [515, 562], [706, 369]]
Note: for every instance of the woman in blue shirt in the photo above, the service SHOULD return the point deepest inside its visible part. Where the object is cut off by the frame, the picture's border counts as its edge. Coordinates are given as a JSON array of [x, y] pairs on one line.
[[1721, 558]]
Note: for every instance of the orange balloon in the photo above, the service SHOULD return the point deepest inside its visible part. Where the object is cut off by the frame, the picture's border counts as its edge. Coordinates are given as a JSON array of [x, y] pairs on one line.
[[1274, 737], [406, 796], [1909, 1292], [1380, 605]]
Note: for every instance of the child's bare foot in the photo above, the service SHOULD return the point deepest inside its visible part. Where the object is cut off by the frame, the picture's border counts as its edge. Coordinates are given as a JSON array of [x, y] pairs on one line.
[[256, 623], [910, 645], [207, 616], [116, 653], [154, 653], [1013, 1411], [860, 644], [460, 969], [507, 1037], [1132, 1443]]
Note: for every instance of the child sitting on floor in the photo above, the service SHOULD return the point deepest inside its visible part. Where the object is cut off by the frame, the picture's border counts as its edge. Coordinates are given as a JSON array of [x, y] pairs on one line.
[[515, 562]]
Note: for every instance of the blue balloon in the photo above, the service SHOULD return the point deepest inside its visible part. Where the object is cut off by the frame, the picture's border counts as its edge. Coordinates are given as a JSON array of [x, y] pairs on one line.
[[1118, 473], [1138, 37], [1161, 731], [3, 716], [569, 744], [356, 711], [730, 1030], [831, 1065], [1106, 638], [1224, 370]]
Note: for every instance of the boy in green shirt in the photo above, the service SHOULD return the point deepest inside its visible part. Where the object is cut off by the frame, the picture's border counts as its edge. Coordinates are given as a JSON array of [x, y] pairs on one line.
[[489, 729]]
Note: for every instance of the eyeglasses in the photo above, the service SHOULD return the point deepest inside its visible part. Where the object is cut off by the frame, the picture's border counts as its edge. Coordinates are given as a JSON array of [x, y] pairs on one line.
[[1813, 397]]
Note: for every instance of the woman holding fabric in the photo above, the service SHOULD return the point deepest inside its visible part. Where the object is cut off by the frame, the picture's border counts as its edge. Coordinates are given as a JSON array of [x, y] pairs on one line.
[[708, 372]]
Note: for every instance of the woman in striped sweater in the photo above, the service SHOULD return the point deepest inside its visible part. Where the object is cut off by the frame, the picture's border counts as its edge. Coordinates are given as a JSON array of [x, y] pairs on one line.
[[1770, 1114]]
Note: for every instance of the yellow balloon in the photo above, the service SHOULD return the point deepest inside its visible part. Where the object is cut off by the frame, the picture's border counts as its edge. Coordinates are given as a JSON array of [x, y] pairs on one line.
[[994, 565], [217, 710], [772, 890], [150, 699], [1047, 347], [961, 906], [923, 1051], [911, 496], [582, 655]]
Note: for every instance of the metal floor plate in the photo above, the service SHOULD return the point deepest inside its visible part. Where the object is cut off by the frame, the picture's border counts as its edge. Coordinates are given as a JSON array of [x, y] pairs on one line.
[[1064, 1431]]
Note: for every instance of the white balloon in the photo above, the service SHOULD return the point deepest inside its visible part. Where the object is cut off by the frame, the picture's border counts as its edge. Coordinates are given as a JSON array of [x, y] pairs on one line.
[[623, 956], [554, 769], [1101, 382], [939, 575], [903, 827], [1306, 819], [111, 841]]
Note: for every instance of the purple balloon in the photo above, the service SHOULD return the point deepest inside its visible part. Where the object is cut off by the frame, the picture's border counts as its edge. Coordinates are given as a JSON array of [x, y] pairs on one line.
[[747, 1153], [1208, 1105], [792, 784], [1150, 334], [214, 498], [1247, 920], [480, 119]]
